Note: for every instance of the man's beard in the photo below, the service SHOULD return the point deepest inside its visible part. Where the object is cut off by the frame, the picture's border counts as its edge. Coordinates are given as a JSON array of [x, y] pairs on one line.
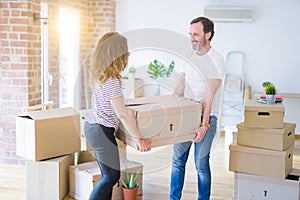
[[197, 45]]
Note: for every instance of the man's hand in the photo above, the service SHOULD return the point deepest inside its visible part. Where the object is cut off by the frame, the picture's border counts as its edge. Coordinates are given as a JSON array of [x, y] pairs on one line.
[[200, 131]]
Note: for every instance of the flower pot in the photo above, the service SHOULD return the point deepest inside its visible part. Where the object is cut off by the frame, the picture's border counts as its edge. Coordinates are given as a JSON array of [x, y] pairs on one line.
[[130, 194], [270, 98]]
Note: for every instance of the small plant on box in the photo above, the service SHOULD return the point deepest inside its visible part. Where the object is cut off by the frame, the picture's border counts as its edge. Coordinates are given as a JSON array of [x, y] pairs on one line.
[[270, 91], [270, 88]]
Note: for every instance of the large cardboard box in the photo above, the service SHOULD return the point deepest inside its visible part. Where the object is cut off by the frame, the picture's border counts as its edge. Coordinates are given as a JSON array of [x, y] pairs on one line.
[[85, 176], [247, 186], [274, 139], [47, 134], [85, 145], [259, 115], [164, 119], [49, 179], [263, 162]]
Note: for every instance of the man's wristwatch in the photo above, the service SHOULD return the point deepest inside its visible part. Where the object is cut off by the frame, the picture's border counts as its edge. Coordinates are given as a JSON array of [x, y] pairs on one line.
[[204, 124]]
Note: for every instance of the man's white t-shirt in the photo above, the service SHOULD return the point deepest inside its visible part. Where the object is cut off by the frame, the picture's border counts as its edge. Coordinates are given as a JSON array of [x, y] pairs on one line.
[[199, 69]]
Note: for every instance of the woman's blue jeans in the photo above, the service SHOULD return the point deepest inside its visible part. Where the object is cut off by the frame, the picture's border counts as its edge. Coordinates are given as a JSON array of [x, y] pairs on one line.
[[105, 147], [201, 159]]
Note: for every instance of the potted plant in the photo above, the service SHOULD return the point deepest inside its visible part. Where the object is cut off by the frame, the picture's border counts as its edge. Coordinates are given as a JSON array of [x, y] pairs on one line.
[[130, 186], [157, 69], [270, 91]]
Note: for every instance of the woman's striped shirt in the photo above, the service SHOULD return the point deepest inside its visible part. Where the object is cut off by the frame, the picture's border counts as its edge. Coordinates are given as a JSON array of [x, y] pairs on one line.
[[102, 111]]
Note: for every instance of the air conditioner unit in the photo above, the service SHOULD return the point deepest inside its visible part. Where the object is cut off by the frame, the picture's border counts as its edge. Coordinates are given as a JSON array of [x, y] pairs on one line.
[[229, 14]]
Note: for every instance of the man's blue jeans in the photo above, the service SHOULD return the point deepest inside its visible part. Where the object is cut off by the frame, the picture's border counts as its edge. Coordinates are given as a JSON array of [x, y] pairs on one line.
[[201, 159]]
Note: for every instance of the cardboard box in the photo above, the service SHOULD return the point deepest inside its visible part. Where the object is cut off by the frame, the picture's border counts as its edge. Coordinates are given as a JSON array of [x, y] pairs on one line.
[[247, 186], [263, 162], [156, 143], [49, 179], [259, 115], [84, 156], [274, 139], [47, 134], [84, 177], [163, 119], [85, 145]]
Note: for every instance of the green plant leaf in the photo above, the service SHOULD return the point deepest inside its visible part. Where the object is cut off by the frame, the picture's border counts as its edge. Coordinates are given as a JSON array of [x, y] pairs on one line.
[[124, 184], [131, 183], [170, 69], [136, 177], [156, 62], [270, 89], [161, 71], [265, 84], [156, 69], [152, 71]]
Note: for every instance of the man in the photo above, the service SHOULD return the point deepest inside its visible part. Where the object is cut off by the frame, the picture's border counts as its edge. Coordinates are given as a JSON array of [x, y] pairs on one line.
[[200, 82]]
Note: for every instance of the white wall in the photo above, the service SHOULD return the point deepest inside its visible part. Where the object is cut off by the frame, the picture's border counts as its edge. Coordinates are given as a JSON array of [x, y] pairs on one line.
[[270, 43]]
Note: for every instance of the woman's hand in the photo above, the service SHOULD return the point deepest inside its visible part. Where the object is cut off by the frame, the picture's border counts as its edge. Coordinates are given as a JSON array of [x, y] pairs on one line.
[[143, 145]]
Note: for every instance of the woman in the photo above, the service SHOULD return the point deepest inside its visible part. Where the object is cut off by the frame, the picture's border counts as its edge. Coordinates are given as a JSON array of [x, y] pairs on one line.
[[109, 59]]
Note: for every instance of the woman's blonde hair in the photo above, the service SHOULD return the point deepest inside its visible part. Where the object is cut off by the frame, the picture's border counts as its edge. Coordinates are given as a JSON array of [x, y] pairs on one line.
[[109, 58]]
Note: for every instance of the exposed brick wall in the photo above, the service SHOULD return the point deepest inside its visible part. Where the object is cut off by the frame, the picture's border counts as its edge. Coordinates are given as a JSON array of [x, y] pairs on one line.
[[20, 56], [100, 19], [20, 69]]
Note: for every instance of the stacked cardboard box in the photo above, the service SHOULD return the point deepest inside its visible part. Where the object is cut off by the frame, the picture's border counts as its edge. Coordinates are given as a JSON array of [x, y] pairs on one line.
[[254, 187], [264, 150], [49, 140], [47, 134], [49, 179], [84, 177]]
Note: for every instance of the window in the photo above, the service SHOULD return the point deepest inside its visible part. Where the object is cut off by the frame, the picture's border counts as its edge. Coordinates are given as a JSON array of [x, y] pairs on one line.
[[69, 93]]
